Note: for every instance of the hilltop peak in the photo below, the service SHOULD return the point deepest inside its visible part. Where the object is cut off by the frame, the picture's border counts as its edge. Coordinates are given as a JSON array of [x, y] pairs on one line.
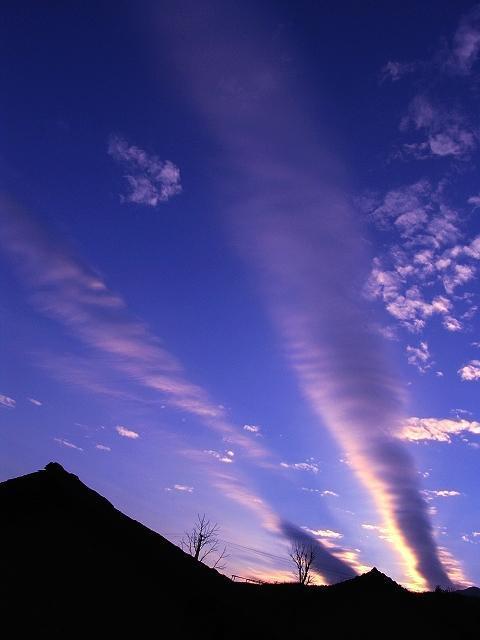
[[373, 581], [55, 467]]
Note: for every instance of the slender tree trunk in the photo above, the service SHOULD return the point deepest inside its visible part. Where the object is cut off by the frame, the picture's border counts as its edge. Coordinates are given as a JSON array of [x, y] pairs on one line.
[[198, 547]]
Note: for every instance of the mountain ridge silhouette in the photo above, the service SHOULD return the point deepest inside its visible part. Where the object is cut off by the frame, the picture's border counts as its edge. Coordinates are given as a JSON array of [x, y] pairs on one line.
[[75, 563]]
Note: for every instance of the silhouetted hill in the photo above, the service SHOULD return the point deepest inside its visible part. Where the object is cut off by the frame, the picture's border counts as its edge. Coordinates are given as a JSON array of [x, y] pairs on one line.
[[372, 582], [472, 592], [73, 565], [65, 548], [62, 523]]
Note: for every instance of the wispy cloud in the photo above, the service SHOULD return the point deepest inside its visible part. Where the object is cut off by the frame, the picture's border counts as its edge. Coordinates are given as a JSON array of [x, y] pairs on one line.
[[226, 457], [310, 466], [292, 236], [394, 70], [76, 296], [329, 562], [183, 488], [150, 180], [419, 357], [66, 443], [37, 403], [466, 43], [324, 493], [102, 447], [127, 433], [8, 402], [448, 133], [437, 429]]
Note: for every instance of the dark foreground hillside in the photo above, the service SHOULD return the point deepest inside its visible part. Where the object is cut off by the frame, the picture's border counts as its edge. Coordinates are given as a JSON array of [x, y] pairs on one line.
[[71, 565]]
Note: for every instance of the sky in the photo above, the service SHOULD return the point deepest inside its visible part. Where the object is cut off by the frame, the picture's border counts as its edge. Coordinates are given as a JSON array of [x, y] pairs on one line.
[[239, 260]]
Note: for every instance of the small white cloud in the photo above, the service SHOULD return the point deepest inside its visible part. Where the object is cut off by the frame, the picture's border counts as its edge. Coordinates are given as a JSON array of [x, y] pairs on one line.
[[126, 433], [475, 200], [226, 457], [381, 531], [323, 493], [393, 71], [447, 132], [470, 372], [301, 466], [461, 413], [452, 324], [439, 429], [387, 332], [102, 447], [252, 428], [420, 357], [460, 274], [324, 533], [183, 487], [441, 493], [7, 402], [67, 443], [150, 179], [37, 403]]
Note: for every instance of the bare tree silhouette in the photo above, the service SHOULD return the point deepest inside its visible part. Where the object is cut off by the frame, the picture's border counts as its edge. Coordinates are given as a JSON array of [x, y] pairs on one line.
[[203, 541], [302, 556]]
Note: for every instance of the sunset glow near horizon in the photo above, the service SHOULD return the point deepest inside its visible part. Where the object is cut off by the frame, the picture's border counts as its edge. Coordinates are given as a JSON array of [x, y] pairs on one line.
[[239, 257]]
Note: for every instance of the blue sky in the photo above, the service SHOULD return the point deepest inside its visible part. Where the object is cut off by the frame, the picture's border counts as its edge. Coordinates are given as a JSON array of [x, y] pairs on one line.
[[239, 260]]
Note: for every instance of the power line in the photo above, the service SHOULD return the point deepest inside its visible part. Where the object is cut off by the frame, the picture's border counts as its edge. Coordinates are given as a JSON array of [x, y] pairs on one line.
[[260, 552]]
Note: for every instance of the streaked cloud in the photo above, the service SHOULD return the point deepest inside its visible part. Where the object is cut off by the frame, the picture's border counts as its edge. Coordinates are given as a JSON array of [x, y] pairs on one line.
[[310, 466], [454, 568], [183, 488], [330, 562], [66, 443], [8, 402], [76, 296], [323, 493], [291, 238], [150, 180], [324, 533], [37, 403], [102, 447], [127, 433]]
